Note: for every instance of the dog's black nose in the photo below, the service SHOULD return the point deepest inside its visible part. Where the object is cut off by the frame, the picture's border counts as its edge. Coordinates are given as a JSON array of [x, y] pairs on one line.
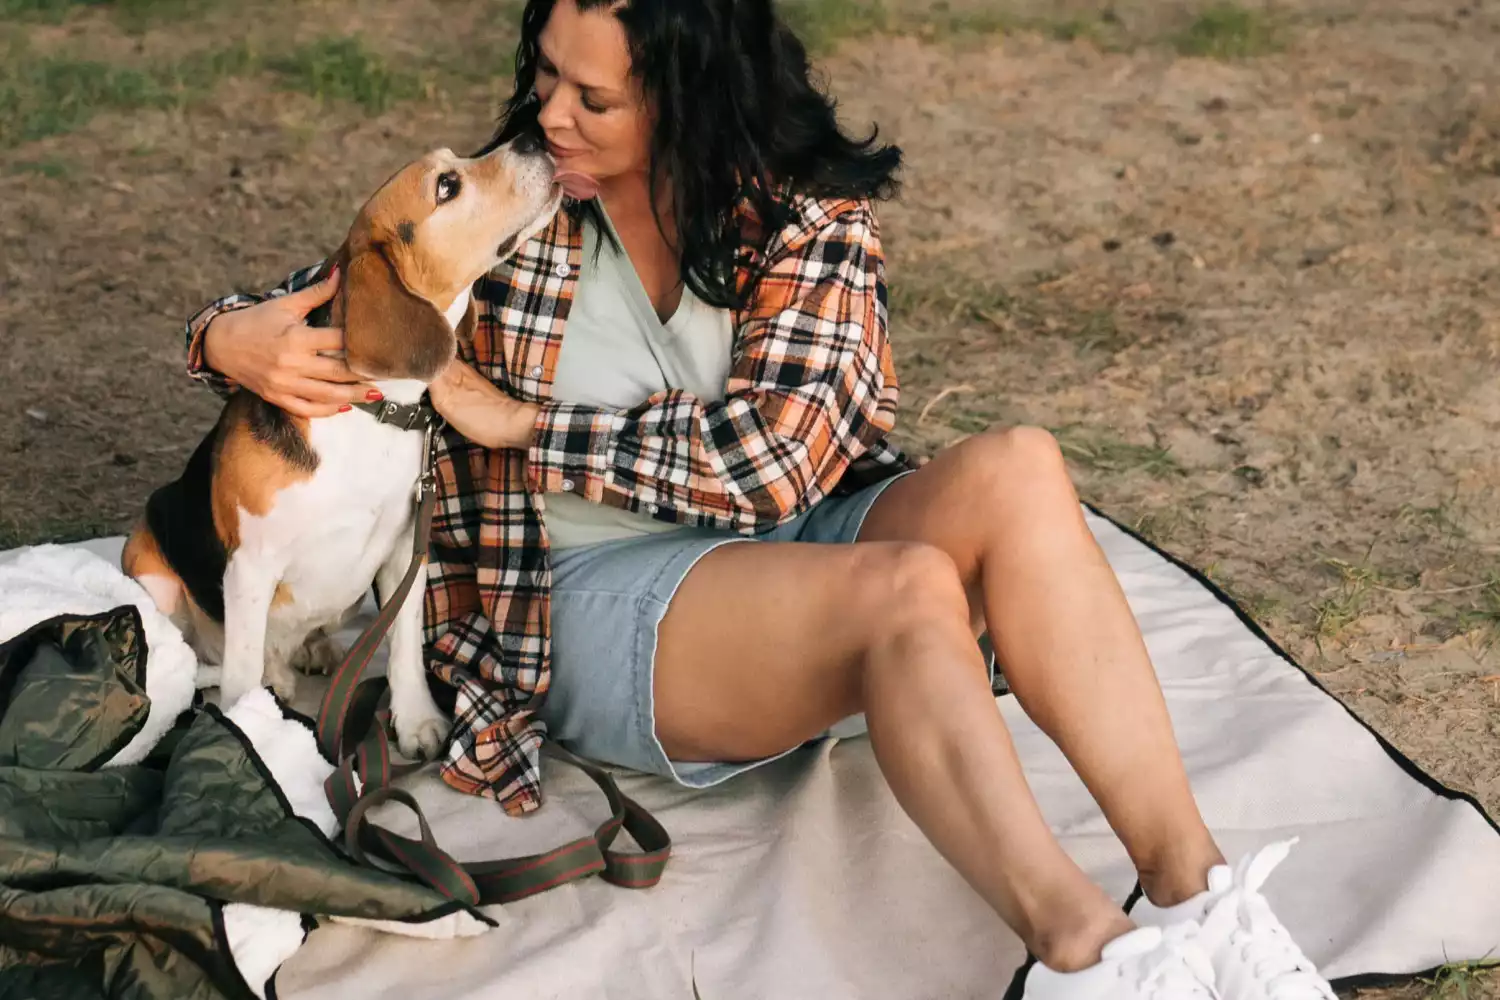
[[527, 144]]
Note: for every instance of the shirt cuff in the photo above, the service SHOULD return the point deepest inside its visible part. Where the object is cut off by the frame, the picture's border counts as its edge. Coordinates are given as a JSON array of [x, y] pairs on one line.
[[197, 364], [571, 449]]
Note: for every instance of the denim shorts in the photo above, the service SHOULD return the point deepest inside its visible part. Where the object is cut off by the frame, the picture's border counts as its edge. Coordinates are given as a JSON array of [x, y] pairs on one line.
[[607, 602]]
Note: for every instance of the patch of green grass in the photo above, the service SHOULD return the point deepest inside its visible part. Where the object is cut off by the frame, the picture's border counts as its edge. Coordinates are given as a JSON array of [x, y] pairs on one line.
[[1483, 611], [44, 10], [1347, 603], [1229, 31], [344, 69], [1457, 980], [1098, 331], [51, 169], [1102, 451], [133, 15], [42, 95], [1075, 28], [1440, 520], [822, 24]]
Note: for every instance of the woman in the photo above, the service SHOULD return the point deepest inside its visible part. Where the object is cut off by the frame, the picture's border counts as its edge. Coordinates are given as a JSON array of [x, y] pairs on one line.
[[725, 377]]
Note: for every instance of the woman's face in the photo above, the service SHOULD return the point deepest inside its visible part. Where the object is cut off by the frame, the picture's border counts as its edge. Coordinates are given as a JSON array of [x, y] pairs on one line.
[[593, 112]]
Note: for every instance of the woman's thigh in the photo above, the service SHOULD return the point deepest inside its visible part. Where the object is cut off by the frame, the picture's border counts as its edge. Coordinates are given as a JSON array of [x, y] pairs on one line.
[[707, 648], [761, 647]]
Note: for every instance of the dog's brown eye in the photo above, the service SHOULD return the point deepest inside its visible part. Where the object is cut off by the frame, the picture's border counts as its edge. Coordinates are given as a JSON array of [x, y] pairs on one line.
[[447, 187]]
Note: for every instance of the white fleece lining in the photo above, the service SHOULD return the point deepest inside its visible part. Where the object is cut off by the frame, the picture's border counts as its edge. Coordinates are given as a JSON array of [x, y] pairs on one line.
[[290, 752], [45, 581], [260, 939]]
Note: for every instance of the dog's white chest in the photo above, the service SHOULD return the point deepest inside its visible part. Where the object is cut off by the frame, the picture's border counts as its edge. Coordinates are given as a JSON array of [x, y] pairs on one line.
[[331, 532]]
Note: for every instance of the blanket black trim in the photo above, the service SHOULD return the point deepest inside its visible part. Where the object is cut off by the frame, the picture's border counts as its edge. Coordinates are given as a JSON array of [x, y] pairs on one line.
[[1409, 766]]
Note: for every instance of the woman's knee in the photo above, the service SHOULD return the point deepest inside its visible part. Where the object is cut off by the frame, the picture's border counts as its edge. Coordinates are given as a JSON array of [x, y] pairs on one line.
[[1014, 456], [909, 585]]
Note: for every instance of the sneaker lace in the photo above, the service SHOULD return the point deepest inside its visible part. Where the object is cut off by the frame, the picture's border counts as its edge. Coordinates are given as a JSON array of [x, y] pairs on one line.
[[1243, 918], [1176, 969]]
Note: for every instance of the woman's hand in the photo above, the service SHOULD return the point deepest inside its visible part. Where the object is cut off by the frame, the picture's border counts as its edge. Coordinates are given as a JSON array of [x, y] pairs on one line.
[[482, 411], [269, 349]]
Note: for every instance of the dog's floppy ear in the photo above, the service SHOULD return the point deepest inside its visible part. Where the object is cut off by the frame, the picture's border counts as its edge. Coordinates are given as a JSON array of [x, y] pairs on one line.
[[388, 331]]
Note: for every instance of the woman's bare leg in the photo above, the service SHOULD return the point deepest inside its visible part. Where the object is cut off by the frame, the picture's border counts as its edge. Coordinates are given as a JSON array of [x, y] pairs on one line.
[[1001, 505], [766, 645]]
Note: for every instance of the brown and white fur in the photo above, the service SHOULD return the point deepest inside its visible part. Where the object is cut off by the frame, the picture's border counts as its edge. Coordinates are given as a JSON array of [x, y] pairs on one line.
[[276, 529]]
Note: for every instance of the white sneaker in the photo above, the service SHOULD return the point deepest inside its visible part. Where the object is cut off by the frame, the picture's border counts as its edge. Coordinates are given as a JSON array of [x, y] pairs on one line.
[[1148, 963], [1254, 958]]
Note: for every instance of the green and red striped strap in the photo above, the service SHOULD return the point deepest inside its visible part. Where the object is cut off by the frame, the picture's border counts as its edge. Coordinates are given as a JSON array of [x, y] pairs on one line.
[[351, 731]]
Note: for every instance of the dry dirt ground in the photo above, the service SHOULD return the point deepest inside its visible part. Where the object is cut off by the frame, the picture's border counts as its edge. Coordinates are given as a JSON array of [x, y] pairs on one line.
[[1245, 263]]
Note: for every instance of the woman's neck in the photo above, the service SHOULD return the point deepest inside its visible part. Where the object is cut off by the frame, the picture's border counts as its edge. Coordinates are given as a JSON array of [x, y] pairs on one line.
[[656, 262], [627, 199]]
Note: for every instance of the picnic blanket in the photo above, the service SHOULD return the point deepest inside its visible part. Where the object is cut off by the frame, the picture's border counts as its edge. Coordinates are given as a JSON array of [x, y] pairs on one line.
[[804, 878]]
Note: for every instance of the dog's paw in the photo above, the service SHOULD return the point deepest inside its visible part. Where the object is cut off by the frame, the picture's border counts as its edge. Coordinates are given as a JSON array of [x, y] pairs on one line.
[[283, 680], [318, 655], [421, 730]]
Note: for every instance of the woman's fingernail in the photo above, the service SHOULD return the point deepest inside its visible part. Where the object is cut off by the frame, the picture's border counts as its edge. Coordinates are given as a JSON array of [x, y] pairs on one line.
[[374, 395], [345, 408]]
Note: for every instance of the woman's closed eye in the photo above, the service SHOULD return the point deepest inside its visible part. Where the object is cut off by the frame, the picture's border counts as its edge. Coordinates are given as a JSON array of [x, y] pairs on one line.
[[545, 71]]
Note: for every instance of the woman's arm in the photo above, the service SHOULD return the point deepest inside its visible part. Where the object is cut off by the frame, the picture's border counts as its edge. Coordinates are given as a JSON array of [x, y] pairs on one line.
[[812, 387], [263, 342]]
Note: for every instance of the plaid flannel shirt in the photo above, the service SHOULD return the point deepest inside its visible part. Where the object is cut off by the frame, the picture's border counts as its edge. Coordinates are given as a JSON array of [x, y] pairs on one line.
[[810, 398]]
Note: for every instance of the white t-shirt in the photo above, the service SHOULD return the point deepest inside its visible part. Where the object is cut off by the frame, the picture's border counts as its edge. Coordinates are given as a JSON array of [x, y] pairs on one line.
[[615, 353]]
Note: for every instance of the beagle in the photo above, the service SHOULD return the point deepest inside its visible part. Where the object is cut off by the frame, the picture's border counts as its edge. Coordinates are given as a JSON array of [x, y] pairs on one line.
[[277, 527]]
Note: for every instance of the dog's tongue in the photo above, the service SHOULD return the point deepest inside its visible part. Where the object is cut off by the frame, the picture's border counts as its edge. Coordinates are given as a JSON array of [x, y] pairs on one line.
[[579, 187]]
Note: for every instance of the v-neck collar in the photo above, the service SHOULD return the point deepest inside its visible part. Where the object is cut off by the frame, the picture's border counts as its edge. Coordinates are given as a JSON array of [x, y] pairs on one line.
[[634, 287]]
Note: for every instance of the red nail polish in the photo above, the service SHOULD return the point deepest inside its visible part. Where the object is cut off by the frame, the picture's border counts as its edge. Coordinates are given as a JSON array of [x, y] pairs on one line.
[[345, 408], [374, 395]]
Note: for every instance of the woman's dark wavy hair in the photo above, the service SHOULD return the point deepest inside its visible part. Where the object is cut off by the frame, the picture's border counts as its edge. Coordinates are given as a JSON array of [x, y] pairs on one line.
[[737, 117]]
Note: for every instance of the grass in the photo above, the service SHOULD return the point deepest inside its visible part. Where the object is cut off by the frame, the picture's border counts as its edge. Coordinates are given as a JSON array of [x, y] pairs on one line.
[[1483, 614], [51, 169], [42, 95], [1347, 603], [822, 24], [1440, 520], [44, 10], [343, 69], [1456, 980], [1102, 451], [133, 15], [1228, 31]]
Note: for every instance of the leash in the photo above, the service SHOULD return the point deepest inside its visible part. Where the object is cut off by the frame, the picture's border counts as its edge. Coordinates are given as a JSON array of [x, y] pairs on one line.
[[355, 732]]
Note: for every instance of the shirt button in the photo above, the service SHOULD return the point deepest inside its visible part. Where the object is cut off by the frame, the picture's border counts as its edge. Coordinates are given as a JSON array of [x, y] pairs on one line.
[[536, 372], [562, 270], [567, 485]]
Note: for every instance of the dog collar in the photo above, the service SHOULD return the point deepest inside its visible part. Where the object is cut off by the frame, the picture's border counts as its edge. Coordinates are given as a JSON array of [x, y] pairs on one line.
[[417, 416]]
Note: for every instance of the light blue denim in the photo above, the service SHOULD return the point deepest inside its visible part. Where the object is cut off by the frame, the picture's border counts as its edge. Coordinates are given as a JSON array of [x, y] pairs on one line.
[[607, 602]]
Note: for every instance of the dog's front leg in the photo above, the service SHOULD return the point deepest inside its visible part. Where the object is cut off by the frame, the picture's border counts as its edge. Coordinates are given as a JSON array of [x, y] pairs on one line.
[[421, 727], [249, 585]]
